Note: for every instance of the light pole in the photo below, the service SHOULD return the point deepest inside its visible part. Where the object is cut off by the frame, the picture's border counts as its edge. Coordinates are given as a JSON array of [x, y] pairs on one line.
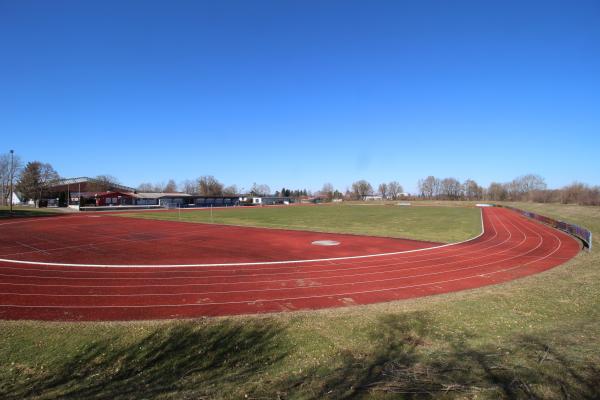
[[10, 198]]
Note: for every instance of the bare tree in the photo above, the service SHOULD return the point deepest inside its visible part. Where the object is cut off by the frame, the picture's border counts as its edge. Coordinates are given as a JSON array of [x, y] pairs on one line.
[[394, 189], [170, 187], [361, 188], [209, 186], [348, 194], [497, 192], [528, 187], [450, 188], [145, 187], [231, 190], [34, 180], [429, 187], [327, 191], [8, 170], [260, 189], [572, 193], [383, 190], [472, 190], [531, 182], [102, 183], [522, 187], [546, 196], [580, 193], [4, 178], [188, 186]]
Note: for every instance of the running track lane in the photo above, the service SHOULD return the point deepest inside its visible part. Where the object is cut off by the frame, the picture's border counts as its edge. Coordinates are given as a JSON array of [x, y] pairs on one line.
[[510, 247]]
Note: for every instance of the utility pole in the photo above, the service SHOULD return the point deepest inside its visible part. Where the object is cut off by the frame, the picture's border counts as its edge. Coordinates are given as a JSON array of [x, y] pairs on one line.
[[10, 198]]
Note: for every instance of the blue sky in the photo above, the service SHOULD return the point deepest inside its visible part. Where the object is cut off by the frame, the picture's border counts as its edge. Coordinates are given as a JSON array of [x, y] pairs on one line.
[[298, 93]]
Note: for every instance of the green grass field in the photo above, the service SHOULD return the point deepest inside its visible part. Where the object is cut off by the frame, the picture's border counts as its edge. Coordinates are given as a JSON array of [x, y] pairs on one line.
[[437, 224], [535, 338]]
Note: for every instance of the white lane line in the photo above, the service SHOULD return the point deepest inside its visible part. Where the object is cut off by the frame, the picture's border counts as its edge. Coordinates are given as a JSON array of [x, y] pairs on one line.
[[35, 249], [246, 263], [311, 276], [525, 237], [303, 273], [560, 244], [246, 302], [329, 295], [38, 219], [473, 244]]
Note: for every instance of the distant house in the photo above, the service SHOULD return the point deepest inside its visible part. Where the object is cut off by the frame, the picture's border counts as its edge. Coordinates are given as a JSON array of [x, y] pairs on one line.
[[372, 197], [163, 199], [122, 198], [265, 200], [311, 199], [214, 201], [85, 184], [114, 199], [71, 191], [17, 198]]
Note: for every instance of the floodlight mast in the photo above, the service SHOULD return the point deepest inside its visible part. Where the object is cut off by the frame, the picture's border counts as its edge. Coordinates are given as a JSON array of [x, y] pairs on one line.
[[10, 198]]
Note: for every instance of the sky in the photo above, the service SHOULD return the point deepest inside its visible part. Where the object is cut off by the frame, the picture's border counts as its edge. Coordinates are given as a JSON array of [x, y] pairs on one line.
[[298, 93]]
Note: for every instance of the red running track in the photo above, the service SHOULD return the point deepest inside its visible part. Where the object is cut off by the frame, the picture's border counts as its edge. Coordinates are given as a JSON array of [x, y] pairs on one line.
[[45, 270]]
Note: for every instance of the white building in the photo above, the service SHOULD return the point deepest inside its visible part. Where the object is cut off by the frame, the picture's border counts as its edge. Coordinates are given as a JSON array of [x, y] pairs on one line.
[[16, 198], [372, 197]]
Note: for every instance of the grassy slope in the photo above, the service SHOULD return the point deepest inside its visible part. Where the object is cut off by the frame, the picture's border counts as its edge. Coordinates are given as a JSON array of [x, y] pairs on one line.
[[536, 337], [438, 224], [19, 211]]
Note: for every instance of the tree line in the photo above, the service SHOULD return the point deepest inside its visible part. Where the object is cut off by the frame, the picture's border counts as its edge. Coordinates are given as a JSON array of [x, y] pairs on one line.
[[206, 185], [32, 179], [519, 189], [530, 187], [449, 189], [362, 188], [10, 165]]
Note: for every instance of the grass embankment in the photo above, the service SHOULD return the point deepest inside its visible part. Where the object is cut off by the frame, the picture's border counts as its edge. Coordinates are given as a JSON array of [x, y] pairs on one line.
[[437, 224], [19, 211], [537, 337]]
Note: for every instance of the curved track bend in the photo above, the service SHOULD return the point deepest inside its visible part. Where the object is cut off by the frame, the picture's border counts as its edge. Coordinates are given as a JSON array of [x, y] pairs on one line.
[[37, 282]]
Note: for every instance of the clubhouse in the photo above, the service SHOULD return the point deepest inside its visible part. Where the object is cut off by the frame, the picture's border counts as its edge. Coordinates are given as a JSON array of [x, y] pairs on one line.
[[90, 193]]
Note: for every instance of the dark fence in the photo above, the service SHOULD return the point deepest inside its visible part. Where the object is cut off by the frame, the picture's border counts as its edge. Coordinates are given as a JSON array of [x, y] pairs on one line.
[[578, 231], [119, 208]]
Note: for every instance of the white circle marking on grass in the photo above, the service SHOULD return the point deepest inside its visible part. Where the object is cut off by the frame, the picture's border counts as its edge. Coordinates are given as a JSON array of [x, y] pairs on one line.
[[325, 243], [25, 262]]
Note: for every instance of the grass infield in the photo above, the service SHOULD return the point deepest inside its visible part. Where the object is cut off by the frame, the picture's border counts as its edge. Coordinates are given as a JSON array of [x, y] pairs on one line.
[[436, 224], [537, 337]]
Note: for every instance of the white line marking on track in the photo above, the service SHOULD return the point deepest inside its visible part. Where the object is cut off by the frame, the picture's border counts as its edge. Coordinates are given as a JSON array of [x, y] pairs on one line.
[[321, 286], [311, 275], [523, 225], [242, 263]]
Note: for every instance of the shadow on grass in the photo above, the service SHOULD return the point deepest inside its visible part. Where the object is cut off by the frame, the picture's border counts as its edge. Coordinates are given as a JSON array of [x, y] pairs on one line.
[[31, 213], [402, 367], [407, 359], [170, 361]]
